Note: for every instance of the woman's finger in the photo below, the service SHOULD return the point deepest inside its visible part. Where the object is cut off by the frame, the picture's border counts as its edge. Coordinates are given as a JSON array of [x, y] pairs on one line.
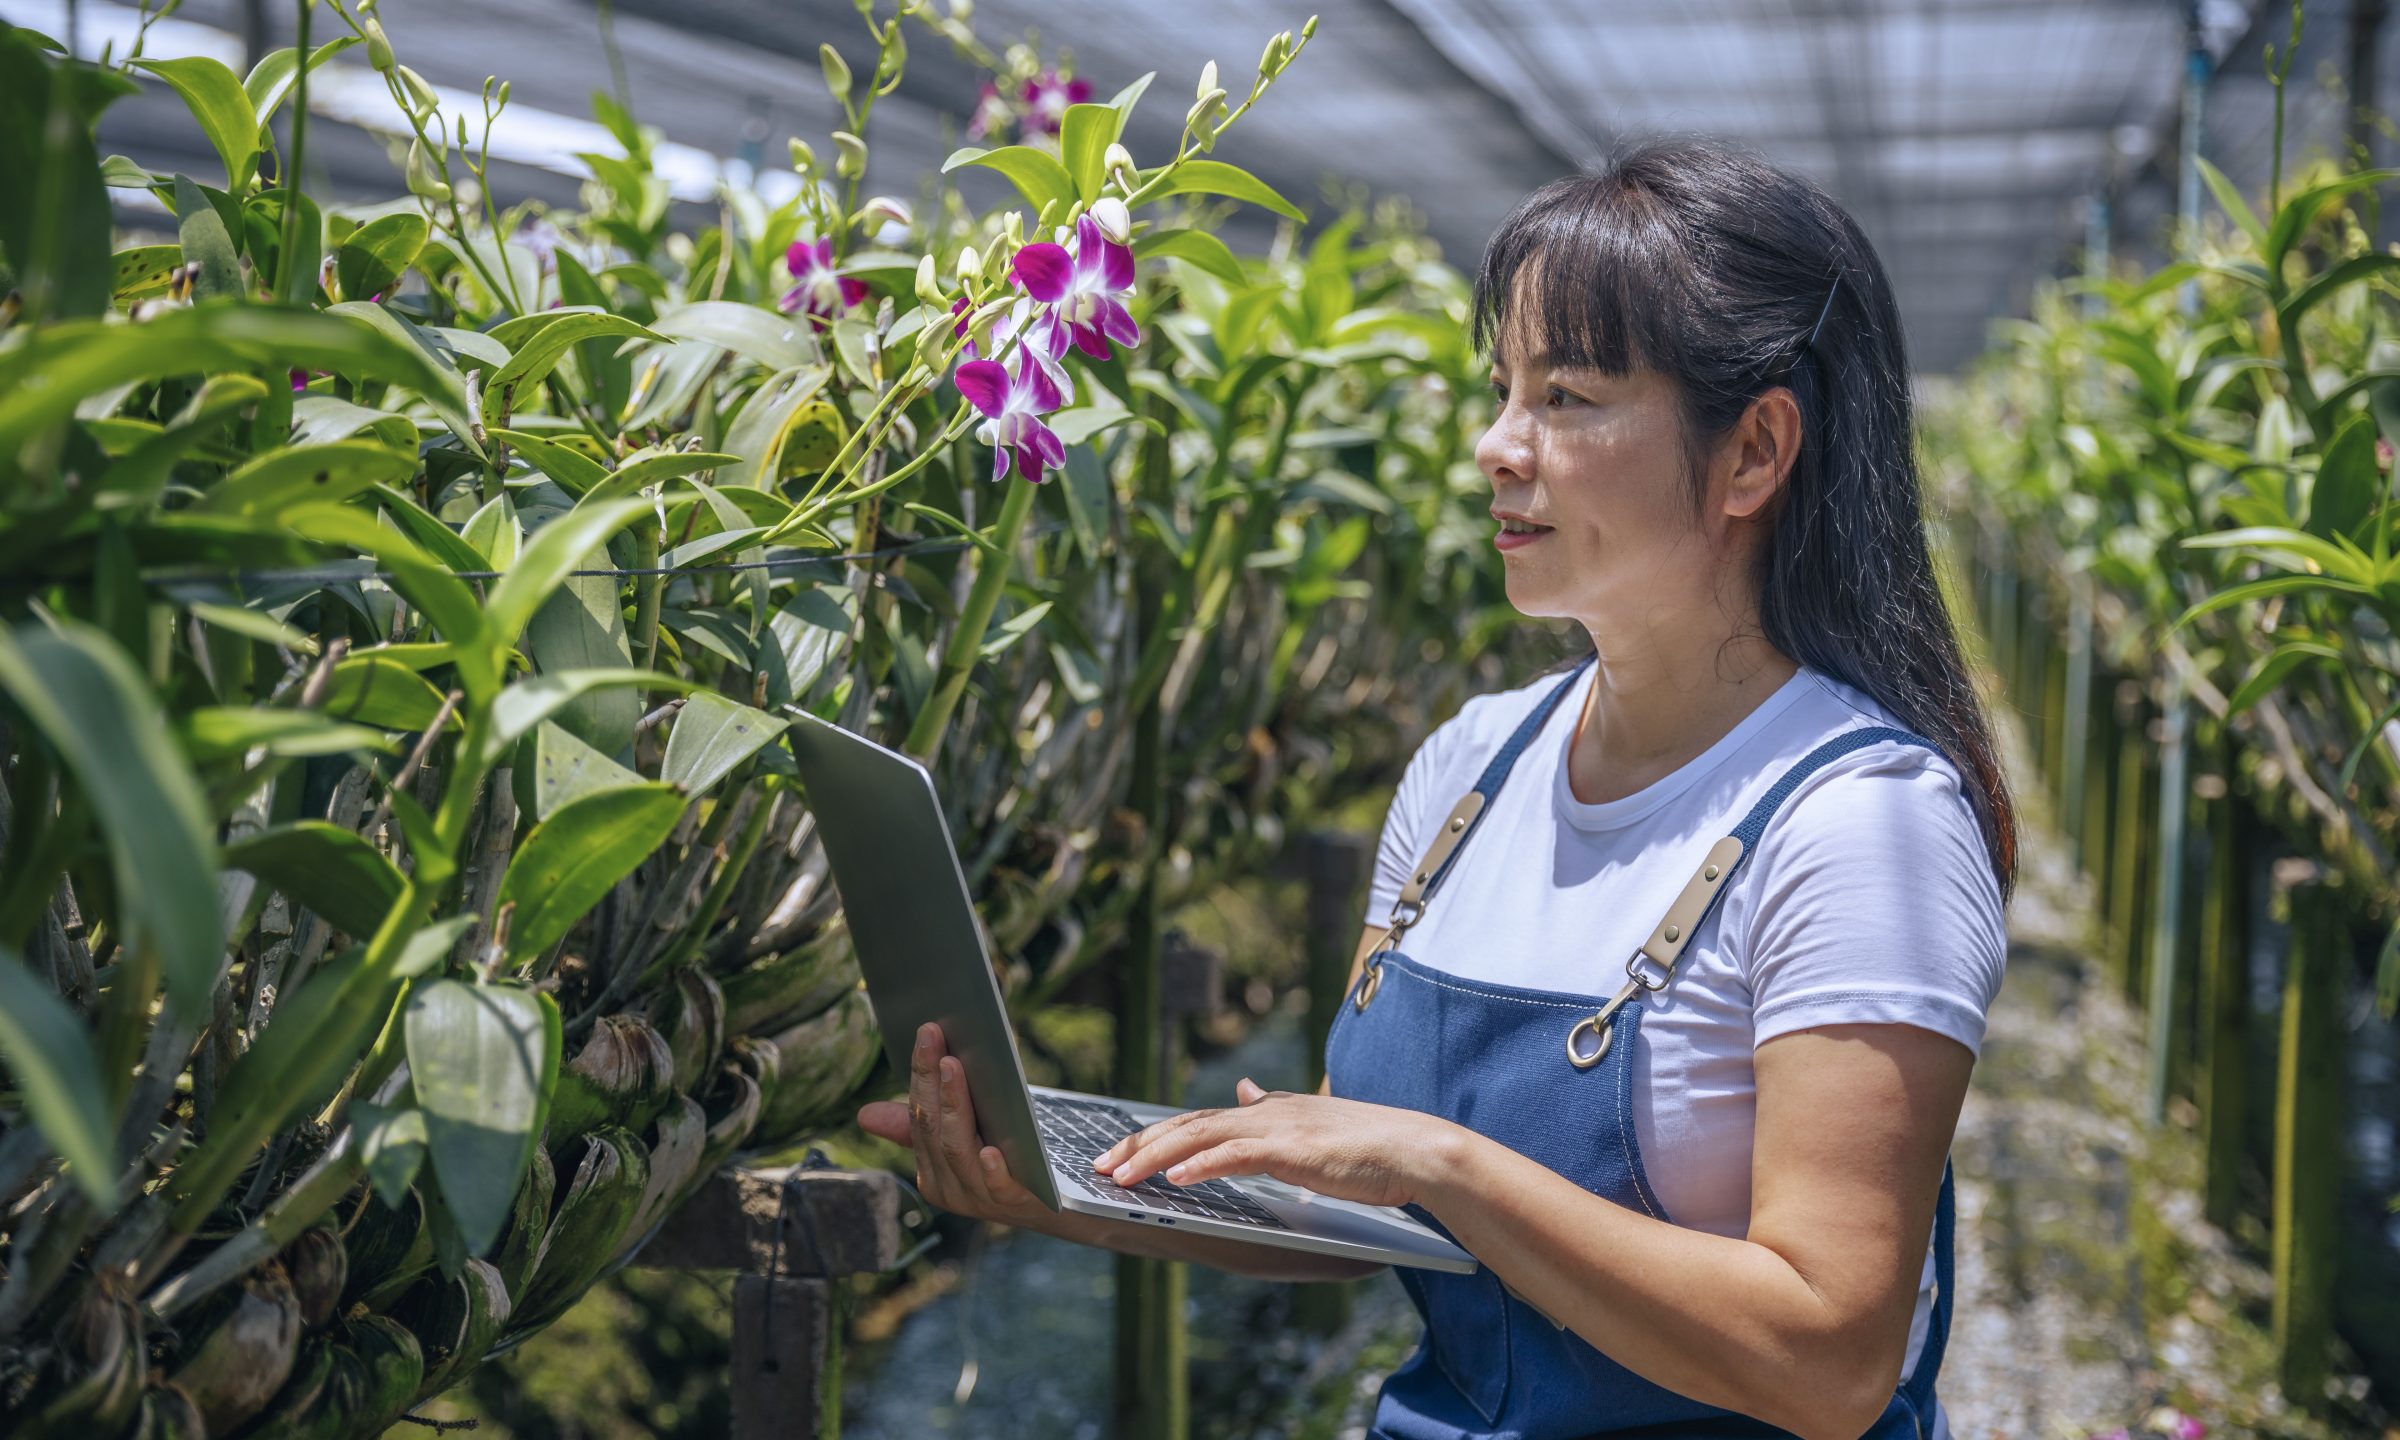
[[1174, 1144], [1247, 1091], [924, 1101], [1244, 1156], [955, 1123], [1117, 1154], [887, 1120]]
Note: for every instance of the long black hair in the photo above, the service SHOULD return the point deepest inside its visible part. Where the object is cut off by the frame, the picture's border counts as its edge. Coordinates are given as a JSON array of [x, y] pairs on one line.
[[1702, 263]]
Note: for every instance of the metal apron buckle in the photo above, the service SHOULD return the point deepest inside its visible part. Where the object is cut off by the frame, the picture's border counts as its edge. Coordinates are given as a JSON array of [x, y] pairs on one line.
[[1397, 926], [1601, 1022]]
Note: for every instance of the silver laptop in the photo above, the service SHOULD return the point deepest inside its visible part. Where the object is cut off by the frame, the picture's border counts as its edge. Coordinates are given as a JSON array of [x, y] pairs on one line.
[[905, 900]]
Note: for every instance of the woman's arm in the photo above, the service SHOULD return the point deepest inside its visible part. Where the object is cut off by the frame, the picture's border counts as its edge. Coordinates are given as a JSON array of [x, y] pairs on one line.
[[1803, 1323]]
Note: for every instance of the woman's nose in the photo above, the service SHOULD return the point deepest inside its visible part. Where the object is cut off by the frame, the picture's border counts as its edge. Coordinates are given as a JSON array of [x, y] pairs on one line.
[[1506, 451]]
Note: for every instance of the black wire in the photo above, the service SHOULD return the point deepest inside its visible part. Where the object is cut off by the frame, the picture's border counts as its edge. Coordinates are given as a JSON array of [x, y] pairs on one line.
[[789, 562]]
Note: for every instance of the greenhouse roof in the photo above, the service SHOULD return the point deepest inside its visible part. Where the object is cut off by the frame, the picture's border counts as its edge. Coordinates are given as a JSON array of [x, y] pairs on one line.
[[1965, 134]]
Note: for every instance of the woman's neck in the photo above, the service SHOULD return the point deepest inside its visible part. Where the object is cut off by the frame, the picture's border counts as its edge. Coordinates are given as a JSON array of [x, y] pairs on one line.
[[1660, 702]]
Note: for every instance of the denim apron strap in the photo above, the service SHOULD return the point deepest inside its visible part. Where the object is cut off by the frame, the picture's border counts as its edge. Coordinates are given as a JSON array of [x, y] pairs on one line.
[[1653, 962], [1459, 825]]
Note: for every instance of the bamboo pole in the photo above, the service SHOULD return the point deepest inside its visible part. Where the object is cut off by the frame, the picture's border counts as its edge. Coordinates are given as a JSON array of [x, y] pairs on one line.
[[2099, 799], [2130, 854], [2308, 1080], [2170, 983], [2224, 1003], [2075, 769]]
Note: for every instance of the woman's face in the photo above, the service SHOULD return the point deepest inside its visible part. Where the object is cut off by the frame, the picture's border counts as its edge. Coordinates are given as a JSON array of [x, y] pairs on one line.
[[1599, 463], [1599, 466]]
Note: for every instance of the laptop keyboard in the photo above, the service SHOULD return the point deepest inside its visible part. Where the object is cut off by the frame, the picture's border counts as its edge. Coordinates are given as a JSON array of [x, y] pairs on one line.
[[1076, 1130]]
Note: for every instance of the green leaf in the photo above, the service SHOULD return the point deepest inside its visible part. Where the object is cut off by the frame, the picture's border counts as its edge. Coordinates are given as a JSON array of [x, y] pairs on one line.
[[83, 358], [1036, 174], [711, 736], [582, 627], [296, 475], [1013, 629], [538, 355], [553, 767], [495, 532], [1215, 177], [443, 387], [1198, 247], [2348, 481], [256, 624], [758, 433], [571, 859], [481, 1057], [542, 566], [1083, 140], [371, 262], [222, 108], [2294, 548], [143, 270], [2303, 206], [377, 690], [2229, 195], [227, 732], [392, 1145], [332, 871], [271, 78], [443, 597], [137, 480], [97, 711], [2353, 271], [571, 468], [775, 341], [2269, 671], [48, 1048], [439, 540], [203, 240], [2261, 590], [54, 209], [529, 702]]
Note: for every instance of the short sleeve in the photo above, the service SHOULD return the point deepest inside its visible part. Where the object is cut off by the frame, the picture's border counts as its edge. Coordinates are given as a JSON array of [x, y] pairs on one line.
[[1872, 900], [1404, 823]]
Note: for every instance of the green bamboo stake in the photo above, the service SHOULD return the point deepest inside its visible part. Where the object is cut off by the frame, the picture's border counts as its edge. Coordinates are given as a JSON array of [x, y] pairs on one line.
[[2075, 768], [2224, 1004], [966, 638], [2308, 1080], [2054, 719], [2170, 967], [2131, 855], [2099, 795]]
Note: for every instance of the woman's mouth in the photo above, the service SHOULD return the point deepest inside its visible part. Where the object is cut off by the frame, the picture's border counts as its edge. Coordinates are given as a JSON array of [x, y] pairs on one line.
[[1517, 534]]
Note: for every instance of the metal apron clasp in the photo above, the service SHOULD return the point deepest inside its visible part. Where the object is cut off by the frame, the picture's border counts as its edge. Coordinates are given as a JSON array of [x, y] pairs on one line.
[[1404, 914], [1602, 1022]]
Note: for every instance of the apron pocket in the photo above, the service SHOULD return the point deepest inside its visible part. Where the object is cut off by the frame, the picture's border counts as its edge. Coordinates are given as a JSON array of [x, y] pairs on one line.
[[1467, 1332]]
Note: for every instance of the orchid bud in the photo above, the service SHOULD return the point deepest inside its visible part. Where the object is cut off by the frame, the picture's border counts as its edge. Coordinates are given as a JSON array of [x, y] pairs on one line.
[[1208, 79], [929, 289], [379, 46], [837, 71], [420, 95], [1012, 225], [962, 9], [1278, 49], [1308, 31], [850, 155], [1117, 161], [970, 265], [804, 156], [885, 210], [1114, 220], [1206, 110], [500, 97], [423, 178]]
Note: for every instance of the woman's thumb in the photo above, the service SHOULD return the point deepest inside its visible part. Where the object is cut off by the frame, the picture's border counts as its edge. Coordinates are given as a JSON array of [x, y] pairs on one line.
[[1247, 1091]]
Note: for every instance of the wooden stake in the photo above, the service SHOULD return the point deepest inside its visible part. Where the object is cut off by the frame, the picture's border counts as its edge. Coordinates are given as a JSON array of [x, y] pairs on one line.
[[2170, 984], [2131, 853], [2224, 1005]]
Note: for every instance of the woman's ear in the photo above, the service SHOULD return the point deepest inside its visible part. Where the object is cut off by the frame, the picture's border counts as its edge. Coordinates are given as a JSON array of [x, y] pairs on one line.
[[1759, 452]]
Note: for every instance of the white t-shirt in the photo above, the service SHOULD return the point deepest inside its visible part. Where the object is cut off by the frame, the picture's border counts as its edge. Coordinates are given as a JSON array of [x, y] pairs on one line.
[[1870, 898]]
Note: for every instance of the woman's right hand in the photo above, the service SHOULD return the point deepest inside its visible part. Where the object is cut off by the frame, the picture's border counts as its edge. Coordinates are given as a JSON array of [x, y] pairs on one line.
[[956, 1170]]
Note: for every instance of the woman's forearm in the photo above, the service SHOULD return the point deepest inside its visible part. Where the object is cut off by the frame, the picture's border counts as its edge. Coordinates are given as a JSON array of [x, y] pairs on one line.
[[1723, 1321], [1259, 1262]]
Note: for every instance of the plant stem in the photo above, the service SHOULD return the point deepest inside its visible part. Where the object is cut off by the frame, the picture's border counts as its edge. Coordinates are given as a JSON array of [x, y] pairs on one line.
[[966, 640], [296, 288]]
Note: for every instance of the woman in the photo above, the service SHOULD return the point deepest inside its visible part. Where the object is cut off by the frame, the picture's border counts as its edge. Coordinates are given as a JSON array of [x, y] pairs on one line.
[[1709, 1204]]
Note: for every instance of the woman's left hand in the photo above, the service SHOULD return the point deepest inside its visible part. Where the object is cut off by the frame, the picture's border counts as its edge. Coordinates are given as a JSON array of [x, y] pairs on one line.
[[1375, 1154]]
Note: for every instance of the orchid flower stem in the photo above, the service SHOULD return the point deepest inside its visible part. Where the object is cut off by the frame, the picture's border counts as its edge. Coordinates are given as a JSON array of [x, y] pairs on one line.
[[294, 288], [966, 640], [810, 513]]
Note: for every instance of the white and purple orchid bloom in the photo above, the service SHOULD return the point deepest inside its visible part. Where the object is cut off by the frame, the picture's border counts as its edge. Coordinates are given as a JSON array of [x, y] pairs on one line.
[[816, 288], [1013, 406], [1078, 288], [1047, 98]]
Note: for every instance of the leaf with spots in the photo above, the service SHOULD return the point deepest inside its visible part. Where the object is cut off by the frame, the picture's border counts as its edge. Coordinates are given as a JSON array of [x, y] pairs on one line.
[[711, 736]]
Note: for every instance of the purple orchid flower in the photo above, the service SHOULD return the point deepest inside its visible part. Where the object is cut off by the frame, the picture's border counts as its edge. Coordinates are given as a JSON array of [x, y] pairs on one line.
[[1014, 406], [991, 112], [816, 288], [1080, 287], [1047, 98]]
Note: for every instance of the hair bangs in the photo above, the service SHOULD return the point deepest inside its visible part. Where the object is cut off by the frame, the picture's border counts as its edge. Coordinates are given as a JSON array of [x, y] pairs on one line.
[[1588, 274]]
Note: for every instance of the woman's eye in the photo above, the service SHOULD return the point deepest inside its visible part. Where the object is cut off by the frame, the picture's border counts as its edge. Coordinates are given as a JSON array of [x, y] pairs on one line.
[[1562, 397], [1499, 392]]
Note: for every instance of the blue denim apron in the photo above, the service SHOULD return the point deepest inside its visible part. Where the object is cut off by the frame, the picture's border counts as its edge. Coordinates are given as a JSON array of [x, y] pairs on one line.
[[1550, 1075]]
